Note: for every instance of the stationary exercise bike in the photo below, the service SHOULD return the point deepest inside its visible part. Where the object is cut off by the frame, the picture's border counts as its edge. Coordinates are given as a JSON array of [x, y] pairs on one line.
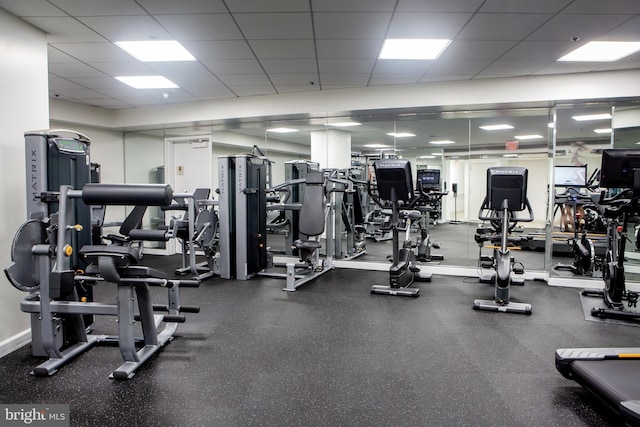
[[506, 195], [582, 248], [427, 199], [395, 184]]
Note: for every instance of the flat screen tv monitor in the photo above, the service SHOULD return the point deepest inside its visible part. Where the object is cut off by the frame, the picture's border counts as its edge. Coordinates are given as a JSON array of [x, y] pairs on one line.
[[428, 178], [570, 176], [616, 170], [394, 180], [507, 183]]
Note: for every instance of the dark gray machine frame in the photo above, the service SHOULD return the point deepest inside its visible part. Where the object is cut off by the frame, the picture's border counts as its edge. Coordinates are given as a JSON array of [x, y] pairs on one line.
[[41, 253], [242, 205]]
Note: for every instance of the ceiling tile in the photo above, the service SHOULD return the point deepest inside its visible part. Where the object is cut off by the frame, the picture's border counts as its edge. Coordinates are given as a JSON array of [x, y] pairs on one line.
[[349, 49], [253, 6], [94, 52], [603, 7], [65, 29], [629, 31], [524, 6], [101, 84], [394, 79], [253, 90], [352, 5], [295, 79], [348, 25], [234, 80], [505, 67], [77, 69], [588, 27], [567, 67], [290, 65], [477, 49], [131, 68], [208, 26], [391, 66], [120, 28], [297, 88], [168, 7], [56, 83], [444, 77], [286, 26], [459, 66], [358, 66], [210, 92], [30, 8], [506, 26], [56, 56], [219, 49], [540, 50], [99, 7], [283, 48], [438, 5], [234, 66], [427, 25], [344, 80]]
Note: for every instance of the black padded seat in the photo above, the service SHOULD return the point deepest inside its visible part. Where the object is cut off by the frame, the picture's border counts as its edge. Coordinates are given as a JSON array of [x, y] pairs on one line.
[[122, 255], [307, 244]]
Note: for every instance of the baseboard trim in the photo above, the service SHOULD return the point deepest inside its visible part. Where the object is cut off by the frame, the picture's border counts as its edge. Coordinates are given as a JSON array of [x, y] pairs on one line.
[[13, 343]]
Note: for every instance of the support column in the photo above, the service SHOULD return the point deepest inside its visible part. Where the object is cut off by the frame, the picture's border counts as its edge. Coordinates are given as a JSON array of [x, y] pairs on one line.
[[331, 148]]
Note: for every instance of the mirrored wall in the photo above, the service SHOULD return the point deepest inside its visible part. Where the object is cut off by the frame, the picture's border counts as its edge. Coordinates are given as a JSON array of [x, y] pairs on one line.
[[548, 140]]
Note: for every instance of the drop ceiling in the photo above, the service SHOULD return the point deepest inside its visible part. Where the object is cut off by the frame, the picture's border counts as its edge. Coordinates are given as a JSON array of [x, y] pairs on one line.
[[257, 47]]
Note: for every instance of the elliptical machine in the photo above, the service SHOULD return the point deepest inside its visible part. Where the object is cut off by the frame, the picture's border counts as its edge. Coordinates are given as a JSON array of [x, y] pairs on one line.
[[506, 195], [395, 184]]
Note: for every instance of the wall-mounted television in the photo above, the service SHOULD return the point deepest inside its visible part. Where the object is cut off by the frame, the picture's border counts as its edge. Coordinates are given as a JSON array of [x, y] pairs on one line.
[[428, 178], [570, 176], [617, 168]]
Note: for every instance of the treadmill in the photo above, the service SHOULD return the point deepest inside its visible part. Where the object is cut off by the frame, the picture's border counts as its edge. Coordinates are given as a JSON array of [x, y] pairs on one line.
[[611, 374]]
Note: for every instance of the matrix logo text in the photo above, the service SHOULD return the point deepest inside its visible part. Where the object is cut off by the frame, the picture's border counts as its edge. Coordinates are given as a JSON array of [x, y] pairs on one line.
[[35, 415]]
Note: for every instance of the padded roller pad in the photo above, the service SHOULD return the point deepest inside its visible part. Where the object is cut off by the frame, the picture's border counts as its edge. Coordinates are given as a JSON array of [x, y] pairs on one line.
[[149, 235], [127, 194]]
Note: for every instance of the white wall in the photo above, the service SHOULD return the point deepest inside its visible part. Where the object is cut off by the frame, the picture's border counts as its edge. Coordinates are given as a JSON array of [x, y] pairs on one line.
[[24, 107]]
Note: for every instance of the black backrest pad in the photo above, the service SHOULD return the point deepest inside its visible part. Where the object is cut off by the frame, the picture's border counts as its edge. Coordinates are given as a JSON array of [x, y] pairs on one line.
[[127, 194], [312, 210]]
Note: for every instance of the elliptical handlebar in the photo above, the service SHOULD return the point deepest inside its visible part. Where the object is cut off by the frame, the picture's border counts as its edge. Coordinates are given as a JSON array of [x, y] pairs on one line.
[[495, 214]]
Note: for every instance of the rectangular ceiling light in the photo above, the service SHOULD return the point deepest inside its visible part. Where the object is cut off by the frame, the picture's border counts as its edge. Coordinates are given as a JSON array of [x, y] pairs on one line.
[[282, 130], [528, 137], [401, 134], [443, 142], [586, 117], [496, 127], [156, 50], [345, 124], [147, 82], [413, 48], [607, 130], [602, 52]]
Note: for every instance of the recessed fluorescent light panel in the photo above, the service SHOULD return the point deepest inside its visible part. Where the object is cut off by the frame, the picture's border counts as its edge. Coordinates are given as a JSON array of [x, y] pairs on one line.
[[587, 117], [401, 134], [376, 145], [602, 130], [602, 52], [156, 50], [344, 124], [413, 48], [443, 142], [496, 127], [528, 137], [282, 130], [147, 82]]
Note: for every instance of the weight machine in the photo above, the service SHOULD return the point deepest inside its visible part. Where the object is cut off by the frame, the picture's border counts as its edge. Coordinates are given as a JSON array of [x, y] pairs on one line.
[[42, 254]]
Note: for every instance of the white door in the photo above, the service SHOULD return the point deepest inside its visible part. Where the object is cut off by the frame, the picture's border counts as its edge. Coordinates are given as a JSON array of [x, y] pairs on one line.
[[189, 164]]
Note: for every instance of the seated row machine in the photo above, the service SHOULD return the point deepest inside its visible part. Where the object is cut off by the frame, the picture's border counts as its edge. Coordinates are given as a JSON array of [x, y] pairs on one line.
[[41, 251]]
